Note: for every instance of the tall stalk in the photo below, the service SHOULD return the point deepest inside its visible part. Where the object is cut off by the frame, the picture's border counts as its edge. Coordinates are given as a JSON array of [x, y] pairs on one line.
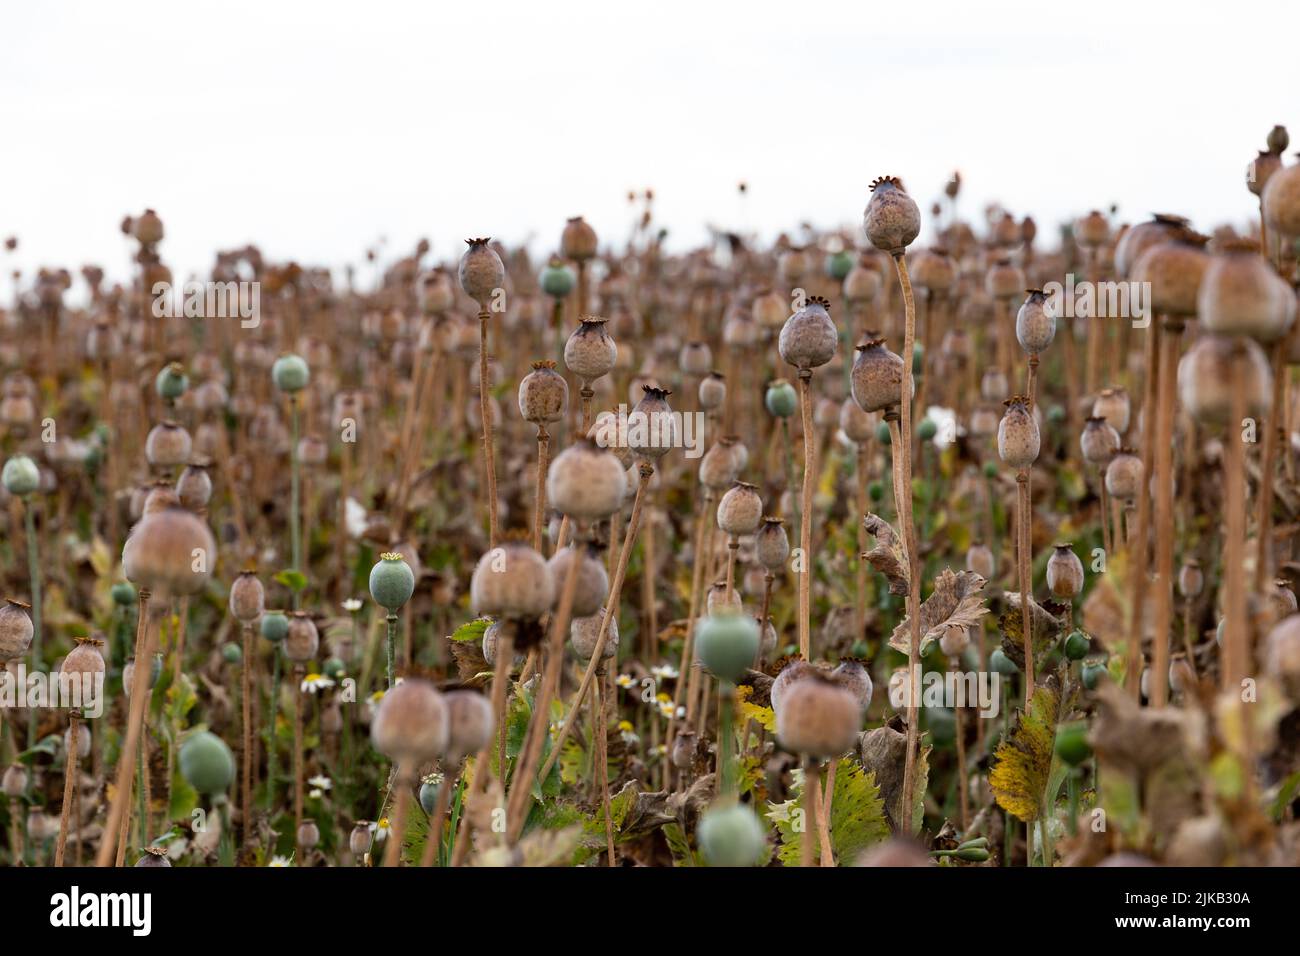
[[485, 412], [901, 448], [34, 572], [805, 513], [1164, 475], [69, 782], [295, 480], [1138, 551]]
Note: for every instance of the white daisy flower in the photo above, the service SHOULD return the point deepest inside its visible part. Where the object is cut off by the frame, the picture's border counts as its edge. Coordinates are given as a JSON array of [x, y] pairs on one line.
[[313, 683]]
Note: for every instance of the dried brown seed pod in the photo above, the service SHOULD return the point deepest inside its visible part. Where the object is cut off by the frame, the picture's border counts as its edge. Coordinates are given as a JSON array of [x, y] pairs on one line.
[[1240, 294], [1035, 323], [512, 581], [1124, 475], [592, 586], [170, 552], [809, 338], [543, 394], [469, 724], [590, 352], [16, 630], [740, 509], [1205, 378], [1113, 405], [819, 717], [168, 445], [481, 271], [303, 640], [1064, 572], [586, 482], [585, 631], [877, 377], [247, 597], [1018, 438], [410, 725], [1098, 441], [578, 240], [891, 220]]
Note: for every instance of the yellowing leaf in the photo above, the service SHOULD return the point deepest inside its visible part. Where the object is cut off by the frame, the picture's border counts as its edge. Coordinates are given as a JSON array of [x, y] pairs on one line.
[[1023, 762], [764, 716], [887, 556]]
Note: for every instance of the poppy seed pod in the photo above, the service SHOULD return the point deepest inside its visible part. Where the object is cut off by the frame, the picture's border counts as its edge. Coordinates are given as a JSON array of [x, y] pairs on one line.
[[794, 670], [557, 280], [1278, 139], [1261, 170], [1092, 230], [780, 399], [1004, 280], [1099, 441], [585, 631], [170, 552], [769, 309], [721, 599], [727, 644], [862, 284], [1064, 572], [1018, 439], [586, 482], [129, 669], [1137, 239], [993, 385], [592, 586], [1113, 405], [14, 782], [247, 597], [155, 857], [194, 486], [809, 338], [695, 358], [1282, 654], [302, 640], [274, 626], [891, 220], [1205, 378], [1035, 323], [543, 394], [772, 544], [85, 660], [469, 723], [934, 272], [168, 445], [21, 476], [877, 377], [1124, 475], [15, 630], [512, 581], [481, 271], [206, 763], [740, 509], [1242, 295], [855, 676], [1282, 201], [361, 838], [160, 497], [1174, 269], [731, 836], [410, 725], [979, 558], [147, 228], [171, 382], [290, 373], [721, 464], [713, 391], [578, 240], [819, 717], [652, 429], [590, 352], [308, 835], [954, 641], [858, 426], [684, 745], [1191, 580], [392, 582]]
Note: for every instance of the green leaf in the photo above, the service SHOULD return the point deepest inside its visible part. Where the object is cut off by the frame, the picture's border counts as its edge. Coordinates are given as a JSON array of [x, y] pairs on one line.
[[46, 746], [679, 846], [1285, 795], [472, 631], [294, 580], [1023, 762], [857, 816]]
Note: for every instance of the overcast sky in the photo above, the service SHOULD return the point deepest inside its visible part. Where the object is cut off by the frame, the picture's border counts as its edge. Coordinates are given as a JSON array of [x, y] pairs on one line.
[[314, 129]]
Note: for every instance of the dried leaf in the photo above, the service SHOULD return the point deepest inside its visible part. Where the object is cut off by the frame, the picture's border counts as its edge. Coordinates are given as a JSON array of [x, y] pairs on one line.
[[887, 556], [1047, 621], [956, 604]]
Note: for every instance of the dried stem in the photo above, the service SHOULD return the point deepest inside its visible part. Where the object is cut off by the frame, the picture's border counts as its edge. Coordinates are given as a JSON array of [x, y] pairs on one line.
[[805, 513], [485, 412]]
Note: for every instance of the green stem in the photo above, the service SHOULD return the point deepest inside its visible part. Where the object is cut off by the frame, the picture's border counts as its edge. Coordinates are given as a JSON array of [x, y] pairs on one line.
[[726, 740], [294, 529], [270, 737], [34, 570], [392, 640], [1072, 784]]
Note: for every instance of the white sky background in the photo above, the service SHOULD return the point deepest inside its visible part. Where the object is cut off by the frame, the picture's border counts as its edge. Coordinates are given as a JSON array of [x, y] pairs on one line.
[[313, 129]]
